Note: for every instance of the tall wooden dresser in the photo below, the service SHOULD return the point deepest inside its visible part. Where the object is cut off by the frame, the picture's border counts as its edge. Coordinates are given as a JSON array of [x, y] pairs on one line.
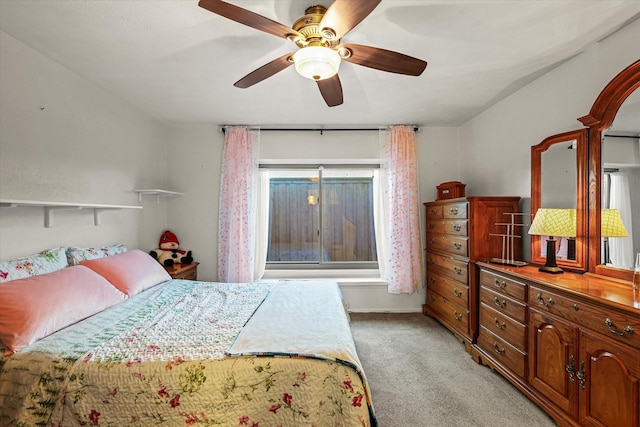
[[458, 233]]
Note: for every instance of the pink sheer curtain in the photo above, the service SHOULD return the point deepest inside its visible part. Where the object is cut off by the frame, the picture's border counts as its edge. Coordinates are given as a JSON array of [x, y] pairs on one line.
[[402, 262], [238, 199]]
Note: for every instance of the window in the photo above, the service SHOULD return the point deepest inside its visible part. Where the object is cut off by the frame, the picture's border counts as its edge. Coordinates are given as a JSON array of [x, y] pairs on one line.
[[321, 217]]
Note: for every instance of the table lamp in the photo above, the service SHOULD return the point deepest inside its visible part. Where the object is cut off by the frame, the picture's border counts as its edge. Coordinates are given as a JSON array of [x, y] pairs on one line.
[[611, 225], [553, 223]]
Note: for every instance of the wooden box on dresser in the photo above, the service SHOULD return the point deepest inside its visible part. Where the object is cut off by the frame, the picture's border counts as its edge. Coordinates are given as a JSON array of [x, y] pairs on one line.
[[571, 342], [458, 233]]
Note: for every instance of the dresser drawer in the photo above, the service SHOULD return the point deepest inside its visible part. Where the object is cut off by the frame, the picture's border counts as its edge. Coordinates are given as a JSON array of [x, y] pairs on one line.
[[450, 267], [448, 312], [187, 275], [183, 271], [617, 325], [503, 285], [503, 352], [453, 290], [504, 304], [448, 226], [455, 210], [503, 326], [447, 243], [434, 212]]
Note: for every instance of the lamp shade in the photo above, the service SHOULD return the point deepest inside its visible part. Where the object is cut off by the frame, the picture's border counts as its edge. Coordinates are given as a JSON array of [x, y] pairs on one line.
[[611, 224], [554, 222], [316, 62]]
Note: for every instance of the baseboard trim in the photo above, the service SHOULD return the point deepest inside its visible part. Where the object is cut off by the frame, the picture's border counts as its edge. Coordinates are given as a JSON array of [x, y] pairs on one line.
[[385, 310], [362, 284]]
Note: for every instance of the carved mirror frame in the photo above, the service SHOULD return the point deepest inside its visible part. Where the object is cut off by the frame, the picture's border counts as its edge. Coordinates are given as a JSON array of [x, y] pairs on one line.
[[580, 136], [599, 119]]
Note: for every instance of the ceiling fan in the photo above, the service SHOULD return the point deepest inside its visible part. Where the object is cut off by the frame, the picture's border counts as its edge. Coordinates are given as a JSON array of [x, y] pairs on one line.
[[318, 36]]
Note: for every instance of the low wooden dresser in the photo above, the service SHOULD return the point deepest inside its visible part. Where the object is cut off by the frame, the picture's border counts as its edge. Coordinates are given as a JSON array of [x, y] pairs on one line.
[[183, 271], [571, 342], [458, 233]]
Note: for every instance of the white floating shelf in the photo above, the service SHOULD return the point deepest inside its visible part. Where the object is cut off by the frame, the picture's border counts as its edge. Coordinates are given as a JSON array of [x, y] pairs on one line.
[[49, 207], [157, 193]]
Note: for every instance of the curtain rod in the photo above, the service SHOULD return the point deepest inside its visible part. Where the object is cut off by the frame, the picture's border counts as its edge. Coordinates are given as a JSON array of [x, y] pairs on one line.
[[321, 130], [631, 136]]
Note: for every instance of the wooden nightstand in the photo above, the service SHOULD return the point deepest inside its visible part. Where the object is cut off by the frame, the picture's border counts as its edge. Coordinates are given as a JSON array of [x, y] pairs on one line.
[[183, 271]]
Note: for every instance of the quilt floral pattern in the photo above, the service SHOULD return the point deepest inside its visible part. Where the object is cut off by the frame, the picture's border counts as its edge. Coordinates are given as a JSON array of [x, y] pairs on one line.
[[159, 359]]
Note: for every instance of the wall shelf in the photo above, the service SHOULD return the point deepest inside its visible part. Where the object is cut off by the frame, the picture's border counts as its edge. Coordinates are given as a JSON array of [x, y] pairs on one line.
[[49, 207], [157, 193]]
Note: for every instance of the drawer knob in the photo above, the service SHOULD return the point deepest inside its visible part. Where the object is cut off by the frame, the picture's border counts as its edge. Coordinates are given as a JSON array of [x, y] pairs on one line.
[[501, 304], [498, 350], [457, 292], [627, 329], [457, 315], [498, 324], [457, 245], [432, 225], [454, 211], [457, 227], [547, 303], [432, 241], [457, 270], [502, 284], [433, 211], [431, 279]]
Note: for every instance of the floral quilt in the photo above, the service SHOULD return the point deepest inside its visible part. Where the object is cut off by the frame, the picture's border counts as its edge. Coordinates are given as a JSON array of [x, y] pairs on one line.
[[166, 357]]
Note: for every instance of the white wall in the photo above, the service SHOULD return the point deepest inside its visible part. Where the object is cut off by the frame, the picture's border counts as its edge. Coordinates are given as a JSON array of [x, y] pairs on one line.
[[64, 139], [496, 157], [195, 156]]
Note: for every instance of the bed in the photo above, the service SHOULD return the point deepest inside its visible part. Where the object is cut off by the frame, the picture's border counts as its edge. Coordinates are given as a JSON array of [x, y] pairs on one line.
[[176, 352]]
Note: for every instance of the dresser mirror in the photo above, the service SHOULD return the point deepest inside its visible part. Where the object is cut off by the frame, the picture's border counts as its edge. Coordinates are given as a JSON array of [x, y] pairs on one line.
[[558, 180], [621, 183], [614, 127]]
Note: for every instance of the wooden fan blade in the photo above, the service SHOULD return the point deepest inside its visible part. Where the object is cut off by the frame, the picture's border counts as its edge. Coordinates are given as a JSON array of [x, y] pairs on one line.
[[384, 60], [248, 18], [331, 90], [343, 15], [265, 71]]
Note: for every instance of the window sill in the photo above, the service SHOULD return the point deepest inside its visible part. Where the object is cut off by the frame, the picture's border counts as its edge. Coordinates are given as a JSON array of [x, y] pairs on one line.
[[344, 277]]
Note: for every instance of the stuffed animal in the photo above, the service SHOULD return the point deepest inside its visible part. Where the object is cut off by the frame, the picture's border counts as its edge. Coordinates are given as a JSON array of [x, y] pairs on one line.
[[169, 252]]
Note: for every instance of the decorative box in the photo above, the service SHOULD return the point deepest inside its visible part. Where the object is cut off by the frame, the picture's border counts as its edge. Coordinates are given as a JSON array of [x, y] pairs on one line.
[[450, 190]]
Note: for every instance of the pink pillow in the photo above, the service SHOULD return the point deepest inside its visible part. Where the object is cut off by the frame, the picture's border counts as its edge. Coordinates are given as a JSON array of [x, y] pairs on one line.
[[34, 307], [131, 272]]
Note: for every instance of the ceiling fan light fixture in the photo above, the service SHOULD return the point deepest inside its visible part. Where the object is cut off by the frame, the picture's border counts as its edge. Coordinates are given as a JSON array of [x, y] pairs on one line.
[[316, 62]]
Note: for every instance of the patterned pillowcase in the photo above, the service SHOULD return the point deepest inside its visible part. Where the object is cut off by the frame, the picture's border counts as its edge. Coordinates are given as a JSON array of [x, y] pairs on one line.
[[47, 261], [75, 255]]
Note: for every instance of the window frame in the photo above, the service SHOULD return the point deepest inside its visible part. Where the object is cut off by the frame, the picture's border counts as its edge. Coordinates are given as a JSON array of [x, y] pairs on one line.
[[320, 265]]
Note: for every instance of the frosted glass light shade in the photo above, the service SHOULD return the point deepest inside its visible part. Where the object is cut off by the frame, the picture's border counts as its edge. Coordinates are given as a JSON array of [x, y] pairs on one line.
[[554, 222], [611, 224], [316, 62]]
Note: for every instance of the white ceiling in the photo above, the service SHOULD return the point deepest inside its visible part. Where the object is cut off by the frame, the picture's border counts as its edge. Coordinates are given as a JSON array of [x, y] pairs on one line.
[[178, 62]]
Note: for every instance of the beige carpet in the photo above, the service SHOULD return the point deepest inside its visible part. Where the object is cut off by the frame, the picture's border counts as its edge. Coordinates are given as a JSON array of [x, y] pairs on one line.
[[420, 375]]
